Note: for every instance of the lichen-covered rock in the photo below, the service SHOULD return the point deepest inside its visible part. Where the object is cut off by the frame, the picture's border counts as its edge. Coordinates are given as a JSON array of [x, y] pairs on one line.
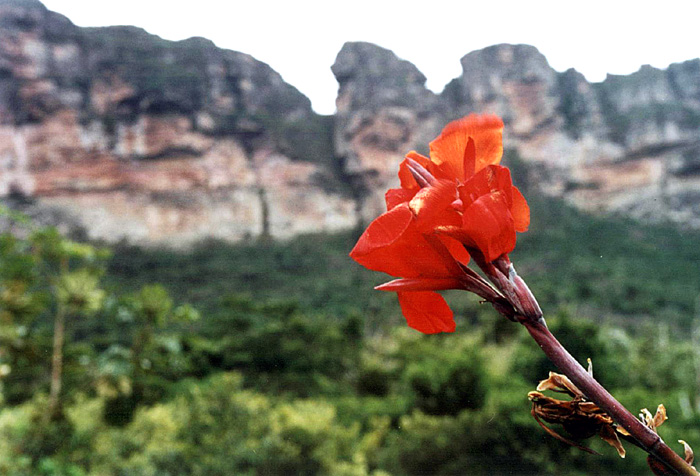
[[620, 145], [513, 81]]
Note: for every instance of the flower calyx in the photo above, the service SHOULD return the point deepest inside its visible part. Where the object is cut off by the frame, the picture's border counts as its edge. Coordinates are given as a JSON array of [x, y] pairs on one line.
[[502, 274]]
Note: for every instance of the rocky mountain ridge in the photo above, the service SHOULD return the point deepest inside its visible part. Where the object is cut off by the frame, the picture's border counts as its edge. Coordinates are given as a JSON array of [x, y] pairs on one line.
[[630, 144], [131, 137]]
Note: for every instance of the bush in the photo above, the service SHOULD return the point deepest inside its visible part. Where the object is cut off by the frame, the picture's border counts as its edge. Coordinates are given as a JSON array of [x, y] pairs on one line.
[[445, 379], [218, 428]]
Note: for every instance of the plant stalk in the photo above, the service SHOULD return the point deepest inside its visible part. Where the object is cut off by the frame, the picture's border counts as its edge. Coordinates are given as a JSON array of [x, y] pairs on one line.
[[57, 362], [595, 392]]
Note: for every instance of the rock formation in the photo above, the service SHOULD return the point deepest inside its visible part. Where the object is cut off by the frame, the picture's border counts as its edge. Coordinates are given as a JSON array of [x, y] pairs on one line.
[[630, 144], [133, 137], [383, 110], [128, 136]]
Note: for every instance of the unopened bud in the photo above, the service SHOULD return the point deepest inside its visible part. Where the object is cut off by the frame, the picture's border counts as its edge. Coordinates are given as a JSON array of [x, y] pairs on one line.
[[422, 176]]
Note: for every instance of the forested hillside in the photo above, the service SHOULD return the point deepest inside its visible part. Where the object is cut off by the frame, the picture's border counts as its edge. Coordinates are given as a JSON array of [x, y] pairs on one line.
[[279, 358]]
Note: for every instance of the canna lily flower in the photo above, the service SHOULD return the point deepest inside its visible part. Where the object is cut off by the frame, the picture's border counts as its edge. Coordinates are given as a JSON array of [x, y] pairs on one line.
[[454, 205], [394, 244], [463, 179]]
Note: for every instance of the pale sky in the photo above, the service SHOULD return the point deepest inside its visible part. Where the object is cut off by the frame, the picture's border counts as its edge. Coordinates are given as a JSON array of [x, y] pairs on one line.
[[301, 38]]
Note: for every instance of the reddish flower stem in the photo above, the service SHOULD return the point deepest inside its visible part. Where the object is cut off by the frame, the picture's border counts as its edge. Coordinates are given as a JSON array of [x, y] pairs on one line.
[[595, 392]]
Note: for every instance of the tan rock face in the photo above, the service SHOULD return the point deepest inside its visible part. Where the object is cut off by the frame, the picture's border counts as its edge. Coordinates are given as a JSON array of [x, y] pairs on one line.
[[197, 187], [153, 219], [383, 111], [119, 133], [377, 142], [132, 137], [294, 201], [220, 193]]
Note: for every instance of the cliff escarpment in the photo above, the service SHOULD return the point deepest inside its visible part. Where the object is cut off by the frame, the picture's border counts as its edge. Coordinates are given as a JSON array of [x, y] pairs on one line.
[[127, 136], [133, 137], [630, 144]]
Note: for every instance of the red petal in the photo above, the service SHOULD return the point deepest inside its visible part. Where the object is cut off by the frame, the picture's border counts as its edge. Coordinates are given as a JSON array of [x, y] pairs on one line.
[[457, 233], [449, 149], [456, 249], [393, 244], [489, 223], [397, 196], [383, 231], [502, 180], [488, 180], [469, 160], [520, 211], [432, 206], [426, 312], [405, 175]]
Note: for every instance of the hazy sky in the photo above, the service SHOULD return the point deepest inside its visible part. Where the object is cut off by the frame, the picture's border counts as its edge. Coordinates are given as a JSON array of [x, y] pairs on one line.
[[301, 38]]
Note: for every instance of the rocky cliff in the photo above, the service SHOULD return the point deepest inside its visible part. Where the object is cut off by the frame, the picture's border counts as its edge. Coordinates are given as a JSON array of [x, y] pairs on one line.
[[128, 136], [132, 137], [629, 144]]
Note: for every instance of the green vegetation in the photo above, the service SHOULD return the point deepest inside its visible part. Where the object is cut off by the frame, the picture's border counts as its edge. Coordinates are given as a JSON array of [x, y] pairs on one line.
[[606, 268], [285, 361]]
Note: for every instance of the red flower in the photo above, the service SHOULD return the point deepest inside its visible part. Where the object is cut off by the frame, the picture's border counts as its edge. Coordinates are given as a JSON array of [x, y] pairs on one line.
[[456, 200], [394, 244]]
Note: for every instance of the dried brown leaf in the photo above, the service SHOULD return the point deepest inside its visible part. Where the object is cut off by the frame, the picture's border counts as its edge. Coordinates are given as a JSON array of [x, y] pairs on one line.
[[608, 434], [559, 383], [689, 455]]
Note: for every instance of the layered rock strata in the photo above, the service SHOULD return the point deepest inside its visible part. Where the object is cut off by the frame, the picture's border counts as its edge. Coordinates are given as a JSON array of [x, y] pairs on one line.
[[130, 137], [133, 137], [630, 144]]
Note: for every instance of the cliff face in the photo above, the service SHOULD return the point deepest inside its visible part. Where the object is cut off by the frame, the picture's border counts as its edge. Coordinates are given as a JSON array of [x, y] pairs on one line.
[[129, 136], [626, 144], [133, 137], [630, 144], [383, 111]]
